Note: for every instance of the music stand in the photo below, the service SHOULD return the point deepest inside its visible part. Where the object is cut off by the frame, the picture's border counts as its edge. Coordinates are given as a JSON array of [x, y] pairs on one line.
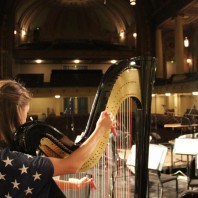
[[157, 155], [185, 146]]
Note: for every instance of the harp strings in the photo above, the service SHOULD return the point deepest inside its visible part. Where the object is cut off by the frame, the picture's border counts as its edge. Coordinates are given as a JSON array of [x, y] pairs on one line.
[[112, 177], [110, 173], [127, 85], [123, 184]]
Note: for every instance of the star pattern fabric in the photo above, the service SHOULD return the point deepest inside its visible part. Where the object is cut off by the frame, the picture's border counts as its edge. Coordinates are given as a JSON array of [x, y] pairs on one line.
[[23, 175]]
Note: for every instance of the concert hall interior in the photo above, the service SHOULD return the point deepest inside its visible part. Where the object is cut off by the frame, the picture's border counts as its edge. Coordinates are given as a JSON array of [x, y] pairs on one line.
[[62, 49]]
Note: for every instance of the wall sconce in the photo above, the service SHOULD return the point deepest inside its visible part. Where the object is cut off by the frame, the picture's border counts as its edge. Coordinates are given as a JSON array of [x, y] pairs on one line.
[[122, 35], [186, 42], [135, 35], [189, 64], [189, 61], [23, 33]]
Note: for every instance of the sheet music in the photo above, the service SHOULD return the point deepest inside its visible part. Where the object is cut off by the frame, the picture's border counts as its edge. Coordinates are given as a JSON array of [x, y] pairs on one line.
[[186, 146], [157, 155]]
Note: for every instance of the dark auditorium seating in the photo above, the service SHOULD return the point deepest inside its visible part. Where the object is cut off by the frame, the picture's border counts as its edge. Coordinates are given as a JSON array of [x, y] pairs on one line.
[[64, 124], [166, 134], [31, 80], [80, 78]]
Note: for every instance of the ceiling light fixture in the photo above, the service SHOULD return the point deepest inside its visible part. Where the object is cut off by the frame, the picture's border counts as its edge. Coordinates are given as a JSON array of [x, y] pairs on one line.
[[113, 61], [133, 2], [167, 94], [57, 96], [195, 93], [76, 61], [38, 61]]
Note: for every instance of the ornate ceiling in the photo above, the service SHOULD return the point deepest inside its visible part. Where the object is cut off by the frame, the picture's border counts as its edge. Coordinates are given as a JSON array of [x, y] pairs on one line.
[[52, 20], [91, 22], [190, 16], [74, 19]]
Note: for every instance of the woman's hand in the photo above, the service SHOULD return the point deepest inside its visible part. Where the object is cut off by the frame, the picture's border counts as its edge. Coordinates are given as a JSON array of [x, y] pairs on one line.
[[75, 184], [85, 181], [105, 121], [86, 149]]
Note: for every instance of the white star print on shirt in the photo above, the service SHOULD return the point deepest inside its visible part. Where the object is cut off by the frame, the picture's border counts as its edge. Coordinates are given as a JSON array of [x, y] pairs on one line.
[[8, 161], [37, 176], [23, 169], [2, 177], [28, 191], [29, 156], [23, 175], [15, 184], [8, 196]]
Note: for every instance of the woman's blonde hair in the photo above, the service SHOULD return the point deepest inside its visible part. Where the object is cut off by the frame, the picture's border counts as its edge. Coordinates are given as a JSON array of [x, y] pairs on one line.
[[13, 98]]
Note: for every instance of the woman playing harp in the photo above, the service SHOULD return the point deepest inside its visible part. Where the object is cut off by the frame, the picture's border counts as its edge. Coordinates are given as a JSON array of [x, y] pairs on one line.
[[26, 175]]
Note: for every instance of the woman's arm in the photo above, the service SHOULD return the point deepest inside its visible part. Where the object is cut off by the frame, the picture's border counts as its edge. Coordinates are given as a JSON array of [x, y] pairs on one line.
[[75, 184], [74, 162]]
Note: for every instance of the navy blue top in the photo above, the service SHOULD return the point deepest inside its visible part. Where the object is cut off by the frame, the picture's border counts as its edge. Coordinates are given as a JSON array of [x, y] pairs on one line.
[[23, 175]]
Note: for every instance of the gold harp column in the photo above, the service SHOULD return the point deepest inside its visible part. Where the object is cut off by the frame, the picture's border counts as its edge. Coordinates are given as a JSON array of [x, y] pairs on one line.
[[159, 53], [179, 45]]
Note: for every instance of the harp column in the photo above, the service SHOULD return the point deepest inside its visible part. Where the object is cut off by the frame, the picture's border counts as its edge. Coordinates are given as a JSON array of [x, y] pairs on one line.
[[179, 45], [159, 53]]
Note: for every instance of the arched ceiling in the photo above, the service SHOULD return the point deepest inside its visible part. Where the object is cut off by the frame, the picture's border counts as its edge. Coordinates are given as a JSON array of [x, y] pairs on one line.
[[75, 19], [88, 24]]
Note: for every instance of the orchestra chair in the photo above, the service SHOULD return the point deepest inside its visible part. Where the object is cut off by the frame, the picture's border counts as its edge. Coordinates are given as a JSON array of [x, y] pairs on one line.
[[157, 156], [189, 194], [192, 180], [193, 173]]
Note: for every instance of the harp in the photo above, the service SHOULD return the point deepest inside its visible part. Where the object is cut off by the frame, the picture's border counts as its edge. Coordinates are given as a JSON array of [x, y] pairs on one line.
[[125, 90]]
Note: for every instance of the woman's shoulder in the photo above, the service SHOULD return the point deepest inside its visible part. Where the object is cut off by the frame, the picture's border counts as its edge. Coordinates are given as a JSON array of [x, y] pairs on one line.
[[6, 152], [18, 159]]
